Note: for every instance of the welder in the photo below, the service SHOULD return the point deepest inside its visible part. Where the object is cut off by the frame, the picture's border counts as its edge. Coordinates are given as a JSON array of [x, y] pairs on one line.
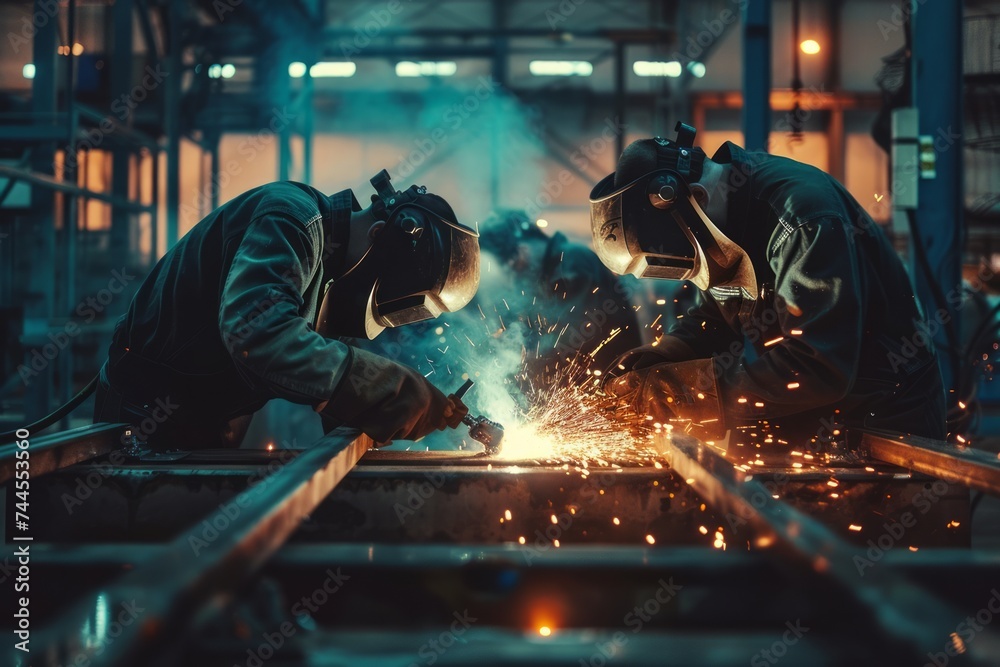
[[250, 304], [806, 318], [561, 292]]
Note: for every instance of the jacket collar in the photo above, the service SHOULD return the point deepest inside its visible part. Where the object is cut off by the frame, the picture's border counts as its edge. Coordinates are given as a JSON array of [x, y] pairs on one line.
[[342, 204], [739, 188]]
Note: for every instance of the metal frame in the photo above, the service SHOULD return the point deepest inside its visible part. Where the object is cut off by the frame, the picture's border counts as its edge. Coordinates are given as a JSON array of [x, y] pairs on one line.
[[918, 622], [52, 452], [177, 583], [193, 572], [966, 466]]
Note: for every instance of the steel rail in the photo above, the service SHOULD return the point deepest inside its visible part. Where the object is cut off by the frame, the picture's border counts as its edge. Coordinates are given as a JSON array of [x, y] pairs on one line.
[[917, 622], [164, 597]]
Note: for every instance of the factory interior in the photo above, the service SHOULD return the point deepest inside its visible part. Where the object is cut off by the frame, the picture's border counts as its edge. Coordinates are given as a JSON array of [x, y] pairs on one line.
[[222, 446]]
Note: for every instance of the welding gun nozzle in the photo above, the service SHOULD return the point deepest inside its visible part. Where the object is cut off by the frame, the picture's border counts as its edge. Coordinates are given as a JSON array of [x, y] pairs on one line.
[[486, 431]]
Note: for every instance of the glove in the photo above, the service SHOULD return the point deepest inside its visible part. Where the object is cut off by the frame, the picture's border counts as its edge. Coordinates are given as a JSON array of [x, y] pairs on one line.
[[389, 401], [687, 390], [668, 350]]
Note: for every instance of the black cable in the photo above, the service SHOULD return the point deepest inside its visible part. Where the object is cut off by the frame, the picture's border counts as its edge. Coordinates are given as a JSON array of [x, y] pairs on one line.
[[60, 412], [939, 298], [976, 497]]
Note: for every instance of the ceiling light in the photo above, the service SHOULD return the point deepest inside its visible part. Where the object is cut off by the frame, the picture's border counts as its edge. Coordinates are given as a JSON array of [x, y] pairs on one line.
[[427, 68], [810, 46], [560, 68], [671, 68], [333, 69]]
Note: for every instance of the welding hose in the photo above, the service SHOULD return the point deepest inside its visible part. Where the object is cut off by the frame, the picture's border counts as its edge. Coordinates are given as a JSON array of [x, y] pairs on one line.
[[51, 418]]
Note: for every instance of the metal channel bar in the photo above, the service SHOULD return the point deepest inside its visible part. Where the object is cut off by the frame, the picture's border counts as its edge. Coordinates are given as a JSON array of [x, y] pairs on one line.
[[51, 452], [968, 467], [927, 563], [164, 596], [917, 621], [434, 556]]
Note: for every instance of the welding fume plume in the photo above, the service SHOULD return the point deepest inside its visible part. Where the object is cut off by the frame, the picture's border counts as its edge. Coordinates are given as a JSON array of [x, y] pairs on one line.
[[481, 429]]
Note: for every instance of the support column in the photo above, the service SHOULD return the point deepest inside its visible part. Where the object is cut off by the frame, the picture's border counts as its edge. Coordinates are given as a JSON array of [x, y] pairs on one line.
[[937, 93], [756, 74], [308, 115], [620, 107], [121, 86], [39, 232], [500, 73], [172, 122]]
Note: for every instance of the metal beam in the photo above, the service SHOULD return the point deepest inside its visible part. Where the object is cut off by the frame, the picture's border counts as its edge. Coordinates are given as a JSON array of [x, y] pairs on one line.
[[52, 452], [918, 622], [45, 181], [199, 570], [966, 466]]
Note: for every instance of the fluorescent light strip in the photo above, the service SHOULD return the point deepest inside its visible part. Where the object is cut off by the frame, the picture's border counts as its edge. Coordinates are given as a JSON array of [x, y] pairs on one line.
[[657, 68], [560, 68], [341, 69], [426, 68]]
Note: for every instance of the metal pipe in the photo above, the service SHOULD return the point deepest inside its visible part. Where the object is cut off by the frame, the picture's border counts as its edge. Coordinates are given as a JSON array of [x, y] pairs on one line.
[[49, 182]]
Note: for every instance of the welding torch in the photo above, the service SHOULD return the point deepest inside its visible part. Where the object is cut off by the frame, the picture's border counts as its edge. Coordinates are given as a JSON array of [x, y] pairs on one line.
[[481, 429]]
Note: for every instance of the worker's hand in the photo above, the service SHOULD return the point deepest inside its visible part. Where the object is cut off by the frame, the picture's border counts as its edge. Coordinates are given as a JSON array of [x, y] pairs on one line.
[[665, 392], [667, 350], [453, 413], [389, 401]]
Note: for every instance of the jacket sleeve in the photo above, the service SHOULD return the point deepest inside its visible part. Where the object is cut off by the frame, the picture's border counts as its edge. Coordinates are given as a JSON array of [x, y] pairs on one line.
[[820, 309], [274, 348], [701, 333]]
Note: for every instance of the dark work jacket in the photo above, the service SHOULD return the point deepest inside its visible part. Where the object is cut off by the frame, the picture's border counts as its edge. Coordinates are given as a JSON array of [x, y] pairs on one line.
[[582, 303], [836, 311], [224, 321]]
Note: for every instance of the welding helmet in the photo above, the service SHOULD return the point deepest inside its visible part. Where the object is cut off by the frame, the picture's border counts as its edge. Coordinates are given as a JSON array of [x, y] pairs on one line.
[[420, 264], [647, 219]]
